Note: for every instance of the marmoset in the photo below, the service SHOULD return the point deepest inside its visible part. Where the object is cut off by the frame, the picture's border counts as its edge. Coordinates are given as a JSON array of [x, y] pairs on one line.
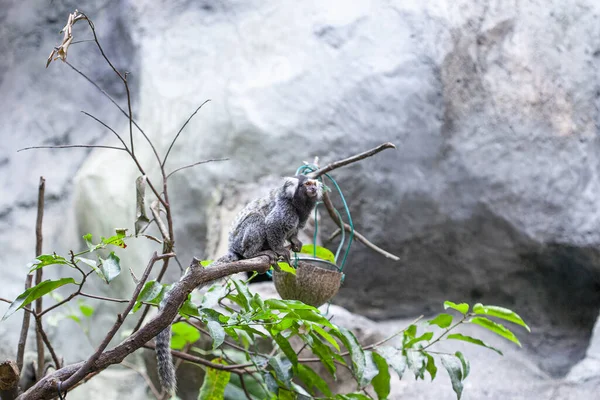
[[263, 227]]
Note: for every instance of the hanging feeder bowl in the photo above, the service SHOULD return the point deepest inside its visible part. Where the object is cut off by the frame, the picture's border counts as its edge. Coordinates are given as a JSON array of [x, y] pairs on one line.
[[315, 283], [317, 280]]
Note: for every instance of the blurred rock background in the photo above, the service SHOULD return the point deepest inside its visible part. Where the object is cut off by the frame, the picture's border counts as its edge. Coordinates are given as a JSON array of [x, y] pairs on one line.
[[490, 197]]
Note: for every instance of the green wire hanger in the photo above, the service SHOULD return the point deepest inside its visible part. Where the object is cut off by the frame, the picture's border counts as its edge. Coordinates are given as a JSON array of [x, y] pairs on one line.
[[308, 168]]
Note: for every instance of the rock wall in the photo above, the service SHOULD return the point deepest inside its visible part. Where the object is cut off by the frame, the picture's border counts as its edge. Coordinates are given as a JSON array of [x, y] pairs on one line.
[[491, 195]]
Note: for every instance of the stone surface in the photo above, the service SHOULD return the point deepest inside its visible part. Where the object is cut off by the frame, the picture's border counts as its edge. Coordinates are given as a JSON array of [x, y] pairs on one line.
[[491, 195]]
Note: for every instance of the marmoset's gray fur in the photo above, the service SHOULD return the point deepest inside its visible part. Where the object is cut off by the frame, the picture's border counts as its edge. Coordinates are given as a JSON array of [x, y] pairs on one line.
[[264, 226]]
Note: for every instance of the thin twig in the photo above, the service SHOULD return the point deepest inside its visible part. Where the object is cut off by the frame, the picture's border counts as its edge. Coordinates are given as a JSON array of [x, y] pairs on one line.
[[85, 368], [24, 328], [107, 127], [196, 163], [119, 107], [350, 160], [93, 296], [46, 341], [40, 334], [201, 361], [244, 388], [70, 146], [331, 211], [144, 375], [178, 133]]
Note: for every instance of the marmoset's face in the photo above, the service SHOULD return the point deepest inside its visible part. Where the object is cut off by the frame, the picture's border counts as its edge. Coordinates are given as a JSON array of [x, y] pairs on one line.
[[312, 188]]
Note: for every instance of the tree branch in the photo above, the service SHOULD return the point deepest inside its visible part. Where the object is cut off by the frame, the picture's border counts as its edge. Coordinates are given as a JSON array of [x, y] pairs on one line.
[[120, 319], [350, 160], [180, 130], [70, 146], [46, 388]]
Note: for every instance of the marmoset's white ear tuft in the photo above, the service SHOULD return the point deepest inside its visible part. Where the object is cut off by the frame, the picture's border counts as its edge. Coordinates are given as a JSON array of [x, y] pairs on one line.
[[290, 186]]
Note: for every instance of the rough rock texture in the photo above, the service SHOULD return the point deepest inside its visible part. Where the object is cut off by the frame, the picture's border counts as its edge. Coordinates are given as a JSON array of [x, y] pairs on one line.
[[491, 195]]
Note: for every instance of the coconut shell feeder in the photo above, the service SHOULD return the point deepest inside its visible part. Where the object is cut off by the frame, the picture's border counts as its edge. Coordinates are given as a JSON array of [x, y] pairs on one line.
[[318, 278]]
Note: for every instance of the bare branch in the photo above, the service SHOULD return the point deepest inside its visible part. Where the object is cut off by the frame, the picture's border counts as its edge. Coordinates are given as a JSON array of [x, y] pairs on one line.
[[144, 375], [46, 388], [331, 211], [107, 127], [24, 327], [46, 341], [350, 160], [178, 133], [119, 107], [70, 146], [40, 334], [197, 163]]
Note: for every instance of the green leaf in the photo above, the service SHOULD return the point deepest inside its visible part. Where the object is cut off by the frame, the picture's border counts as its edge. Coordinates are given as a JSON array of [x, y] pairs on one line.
[[466, 367], [321, 252], [47, 259], [463, 308], [453, 366], [271, 383], [183, 334], [216, 332], [431, 367], [285, 346], [313, 316], [325, 335], [86, 310], [495, 327], [111, 267], [287, 305], [206, 263], [356, 352], [215, 381], [117, 239], [381, 382], [500, 312], [370, 370], [287, 268], [88, 241], [244, 294], [213, 295], [424, 337], [465, 338], [150, 292], [409, 333], [92, 264], [442, 320], [188, 308], [352, 396], [394, 358], [282, 368], [322, 351], [283, 394], [35, 293], [416, 362], [311, 379]]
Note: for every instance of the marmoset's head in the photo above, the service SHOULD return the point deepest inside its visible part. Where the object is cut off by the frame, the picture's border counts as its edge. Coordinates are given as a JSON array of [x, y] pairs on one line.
[[300, 186]]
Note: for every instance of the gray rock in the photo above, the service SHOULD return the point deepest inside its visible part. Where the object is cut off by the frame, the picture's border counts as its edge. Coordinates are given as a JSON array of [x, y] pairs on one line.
[[491, 195]]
